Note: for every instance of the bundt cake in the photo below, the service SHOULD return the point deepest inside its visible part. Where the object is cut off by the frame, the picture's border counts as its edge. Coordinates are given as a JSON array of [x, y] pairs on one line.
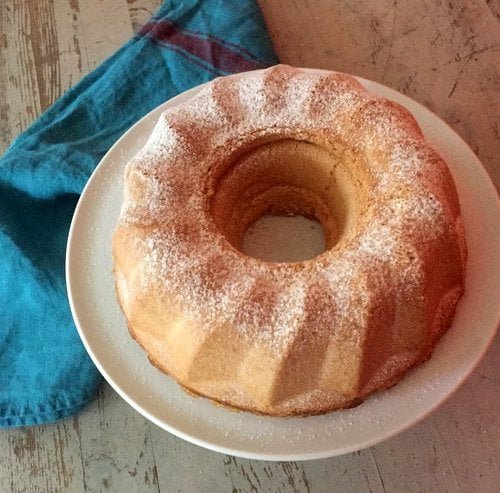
[[288, 338]]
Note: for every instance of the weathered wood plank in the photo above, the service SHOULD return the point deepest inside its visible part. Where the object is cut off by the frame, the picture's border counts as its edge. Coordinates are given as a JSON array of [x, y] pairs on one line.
[[45, 48], [43, 458], [106, 27], [5, 133], [141, 10], [402, 459], [73, 59], [469, 427], [22, 92], [185, 467], [115, 446]]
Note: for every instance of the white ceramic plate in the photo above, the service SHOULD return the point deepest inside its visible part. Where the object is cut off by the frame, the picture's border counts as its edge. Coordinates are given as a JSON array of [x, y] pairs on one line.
[[124, 365]]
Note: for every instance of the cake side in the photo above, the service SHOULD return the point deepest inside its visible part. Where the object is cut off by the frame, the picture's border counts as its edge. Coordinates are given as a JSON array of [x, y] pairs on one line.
[[288, 339]]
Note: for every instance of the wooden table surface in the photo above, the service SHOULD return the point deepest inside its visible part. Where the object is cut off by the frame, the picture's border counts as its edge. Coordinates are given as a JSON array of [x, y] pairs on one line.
[[445, 54]]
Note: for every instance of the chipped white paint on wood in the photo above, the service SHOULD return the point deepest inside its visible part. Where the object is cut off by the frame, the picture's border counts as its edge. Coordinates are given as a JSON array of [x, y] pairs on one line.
[[22, 93], [105, 26], [115, 447], [141, 11], [45, 458], [444, 54]]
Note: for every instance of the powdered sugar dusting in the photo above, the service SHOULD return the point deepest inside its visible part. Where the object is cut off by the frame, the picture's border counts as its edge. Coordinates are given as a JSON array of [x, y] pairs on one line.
[[252, 97], [205, 106], [148, 206], [168, 264], [287, 315], [163, 141], [298, 95], [404, 166], [341, 276], [182, 257]]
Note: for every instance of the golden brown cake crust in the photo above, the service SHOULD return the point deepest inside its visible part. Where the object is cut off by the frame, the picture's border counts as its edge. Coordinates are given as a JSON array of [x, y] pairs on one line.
[[288, 338]]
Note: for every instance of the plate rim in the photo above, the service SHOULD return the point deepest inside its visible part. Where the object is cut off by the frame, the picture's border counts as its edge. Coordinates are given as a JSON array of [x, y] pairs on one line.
[[478, 168]]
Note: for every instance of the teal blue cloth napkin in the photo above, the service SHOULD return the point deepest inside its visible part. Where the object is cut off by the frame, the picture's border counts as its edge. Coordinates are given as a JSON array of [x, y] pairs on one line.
[[45, 373]]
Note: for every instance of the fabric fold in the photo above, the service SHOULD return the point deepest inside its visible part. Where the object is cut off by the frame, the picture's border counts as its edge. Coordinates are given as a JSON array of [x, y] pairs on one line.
[[45, 373]]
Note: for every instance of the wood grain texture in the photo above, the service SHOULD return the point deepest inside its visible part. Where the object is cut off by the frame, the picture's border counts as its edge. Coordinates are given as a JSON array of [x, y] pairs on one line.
[[115, 447], [141, 10], [45, 458], [443, 54]]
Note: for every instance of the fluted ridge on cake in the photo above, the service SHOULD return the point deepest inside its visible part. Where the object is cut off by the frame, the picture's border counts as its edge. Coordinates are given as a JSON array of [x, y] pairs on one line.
[[278, 338]]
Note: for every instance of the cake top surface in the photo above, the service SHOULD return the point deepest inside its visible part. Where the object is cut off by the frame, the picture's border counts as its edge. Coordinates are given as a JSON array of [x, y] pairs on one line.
[[412, 207]]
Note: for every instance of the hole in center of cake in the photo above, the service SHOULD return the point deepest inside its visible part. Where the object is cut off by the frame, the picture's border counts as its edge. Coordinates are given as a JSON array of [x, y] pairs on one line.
[[286, 200], [284, 239]]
